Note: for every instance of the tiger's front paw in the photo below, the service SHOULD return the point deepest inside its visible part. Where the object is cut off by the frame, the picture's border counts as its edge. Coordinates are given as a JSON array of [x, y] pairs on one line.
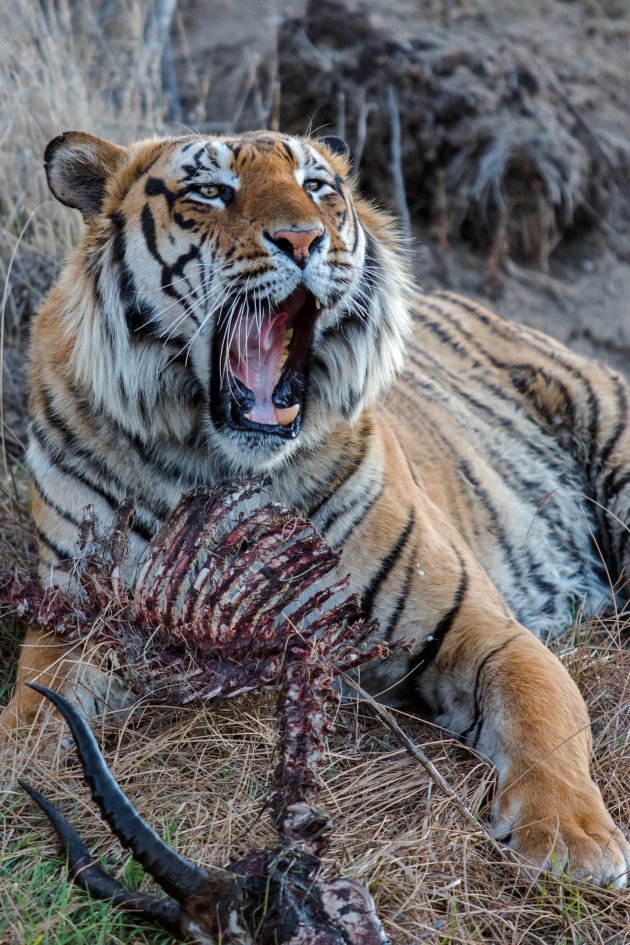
[[563, 828], [29, 724], [18, 714]]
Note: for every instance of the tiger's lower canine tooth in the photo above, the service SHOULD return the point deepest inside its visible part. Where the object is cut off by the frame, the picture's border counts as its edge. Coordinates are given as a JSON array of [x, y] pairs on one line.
[[286, 415]]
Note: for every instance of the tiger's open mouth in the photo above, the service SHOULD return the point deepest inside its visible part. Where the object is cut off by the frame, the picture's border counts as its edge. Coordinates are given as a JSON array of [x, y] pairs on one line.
[[260, 369]]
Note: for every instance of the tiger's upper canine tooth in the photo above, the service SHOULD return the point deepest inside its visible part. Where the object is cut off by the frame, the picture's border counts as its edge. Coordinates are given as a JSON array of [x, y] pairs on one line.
[[286, 415], [318, 304]]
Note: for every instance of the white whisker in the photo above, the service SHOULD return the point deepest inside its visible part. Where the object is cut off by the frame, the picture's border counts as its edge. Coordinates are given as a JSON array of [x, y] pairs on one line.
[[217, 304]]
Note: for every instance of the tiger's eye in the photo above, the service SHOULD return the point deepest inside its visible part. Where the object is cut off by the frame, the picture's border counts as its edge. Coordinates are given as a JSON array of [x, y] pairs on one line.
[[210, 190], [313, 185]]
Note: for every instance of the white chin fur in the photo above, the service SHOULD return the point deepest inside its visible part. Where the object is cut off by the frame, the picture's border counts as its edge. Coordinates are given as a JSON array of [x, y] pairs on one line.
[[249, 453]]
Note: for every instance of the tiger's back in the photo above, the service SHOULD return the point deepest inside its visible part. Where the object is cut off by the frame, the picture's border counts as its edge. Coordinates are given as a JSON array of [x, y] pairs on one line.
[[507, 466]]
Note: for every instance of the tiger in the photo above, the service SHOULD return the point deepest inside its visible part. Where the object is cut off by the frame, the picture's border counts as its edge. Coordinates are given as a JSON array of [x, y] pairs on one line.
[[235, 306]]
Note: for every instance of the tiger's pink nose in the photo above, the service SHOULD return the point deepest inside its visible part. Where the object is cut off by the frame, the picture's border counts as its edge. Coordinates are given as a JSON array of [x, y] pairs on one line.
[[298, 244]]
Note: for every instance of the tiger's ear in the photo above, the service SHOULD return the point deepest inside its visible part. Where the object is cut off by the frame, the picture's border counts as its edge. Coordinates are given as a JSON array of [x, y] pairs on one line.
[[78, 166], [336, 145]]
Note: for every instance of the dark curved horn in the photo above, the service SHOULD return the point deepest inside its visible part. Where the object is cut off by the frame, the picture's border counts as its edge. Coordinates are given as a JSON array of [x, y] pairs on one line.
[[176, 875], [87, 874]]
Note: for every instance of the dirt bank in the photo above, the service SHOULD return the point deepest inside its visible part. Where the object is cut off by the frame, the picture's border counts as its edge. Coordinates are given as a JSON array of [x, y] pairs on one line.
[[514, 134]]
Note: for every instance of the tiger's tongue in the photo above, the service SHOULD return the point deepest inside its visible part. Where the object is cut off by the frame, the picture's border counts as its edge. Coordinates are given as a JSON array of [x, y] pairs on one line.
[[256, 359]]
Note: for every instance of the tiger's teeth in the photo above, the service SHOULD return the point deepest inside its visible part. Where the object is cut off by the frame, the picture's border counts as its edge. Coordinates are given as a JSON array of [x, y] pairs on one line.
[[286, 415], [318, 304], [248, 416], [280, 365]]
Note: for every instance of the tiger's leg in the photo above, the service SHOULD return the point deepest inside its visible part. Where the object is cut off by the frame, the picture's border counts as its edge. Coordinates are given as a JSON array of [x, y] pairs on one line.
[[77, 671], [74, 670], [41, 660], [491, 681]]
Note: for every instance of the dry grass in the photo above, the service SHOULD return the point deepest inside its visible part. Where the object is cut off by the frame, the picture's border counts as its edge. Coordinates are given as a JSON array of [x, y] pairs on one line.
[[59, 70], [201, 777]]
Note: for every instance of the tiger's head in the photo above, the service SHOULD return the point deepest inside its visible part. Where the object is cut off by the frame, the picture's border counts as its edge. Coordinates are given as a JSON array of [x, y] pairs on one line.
[[243, 273]]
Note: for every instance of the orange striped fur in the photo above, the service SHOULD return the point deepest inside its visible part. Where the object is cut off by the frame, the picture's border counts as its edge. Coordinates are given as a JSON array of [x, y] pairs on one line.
[[479, 499]]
